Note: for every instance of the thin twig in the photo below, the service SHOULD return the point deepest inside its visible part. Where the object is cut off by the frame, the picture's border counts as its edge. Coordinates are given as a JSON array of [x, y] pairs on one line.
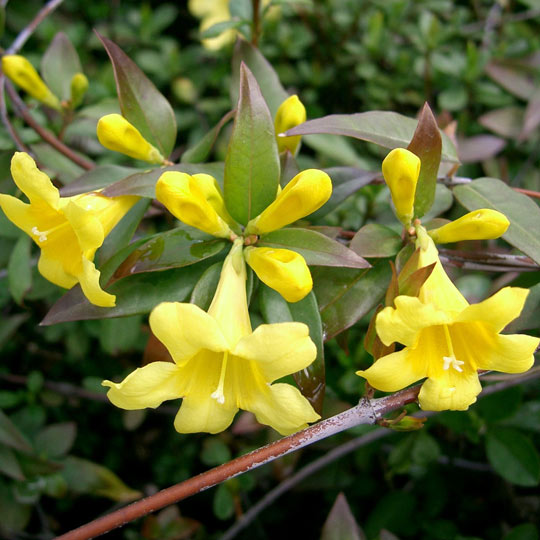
[[5, 118], [494, 262], [529, 192]]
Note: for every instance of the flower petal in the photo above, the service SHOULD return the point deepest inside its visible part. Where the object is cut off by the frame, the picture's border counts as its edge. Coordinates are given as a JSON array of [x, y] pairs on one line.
[[498, 310], [203, 415], [278, 349], [454, 391], [86, 227], [394, 371], [509, 354], [52, 269], [148, 386], [89, 280], [284, 408], [18, 213], [185, 329]]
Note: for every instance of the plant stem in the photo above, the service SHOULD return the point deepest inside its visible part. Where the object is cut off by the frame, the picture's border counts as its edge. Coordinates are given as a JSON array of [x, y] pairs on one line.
[[256, 25]]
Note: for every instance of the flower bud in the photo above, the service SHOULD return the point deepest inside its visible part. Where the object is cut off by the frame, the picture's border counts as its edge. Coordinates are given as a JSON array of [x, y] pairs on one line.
[[23, 73], [483, 224], [290, 114], [212, 193], [304, 194], [116, 133], [401, 169], [183, 197], [79, 86], [281, 269]]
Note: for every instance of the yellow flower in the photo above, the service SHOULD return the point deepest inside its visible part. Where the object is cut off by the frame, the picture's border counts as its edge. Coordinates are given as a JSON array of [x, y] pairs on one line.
[[304, 194], [212, 12], [220, 365], [401, 169], [23, 73], [281, 269], [195, 200], [116, 133], [447, 340], [68, 230], [78, 86], [483, 224], [290, 114]]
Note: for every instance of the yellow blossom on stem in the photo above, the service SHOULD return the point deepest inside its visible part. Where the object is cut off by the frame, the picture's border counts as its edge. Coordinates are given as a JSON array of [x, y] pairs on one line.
[[68, 230], [401, 169], [195, 200], [304, 194], [23, 74], [483, 224], [116, 133], [212, 12], [281, 269], [220, 365], [290, 114], [78, 88], [447, 340]]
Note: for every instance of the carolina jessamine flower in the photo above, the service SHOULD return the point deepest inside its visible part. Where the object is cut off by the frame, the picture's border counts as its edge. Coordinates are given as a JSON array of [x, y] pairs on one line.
[[212, 12], [68, 230], [290, 113], [78, 88], [23, 74], [447, 340], [220, 365]]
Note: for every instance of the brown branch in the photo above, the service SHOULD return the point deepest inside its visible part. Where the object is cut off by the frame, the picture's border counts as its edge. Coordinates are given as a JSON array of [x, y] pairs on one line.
[[499, 262], [529, 192], [256, 24], [5, 118]]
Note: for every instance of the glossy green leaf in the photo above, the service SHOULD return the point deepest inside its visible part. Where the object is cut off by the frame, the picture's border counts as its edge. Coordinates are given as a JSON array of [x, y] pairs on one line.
[[346, 294], [513, 456], [141, 102], [56, 440], [316, 248], [387, 129], [20, 269], [97, 178], [58, 65], [204, 290], [252, 168], [120, 334], [11, 436], [374, 240], [411, 285], [523, 213], [340, 523]]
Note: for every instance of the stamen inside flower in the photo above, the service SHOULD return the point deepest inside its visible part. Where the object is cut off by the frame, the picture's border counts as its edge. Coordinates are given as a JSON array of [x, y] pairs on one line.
[[43, 236], [451, 360], [217, 394]]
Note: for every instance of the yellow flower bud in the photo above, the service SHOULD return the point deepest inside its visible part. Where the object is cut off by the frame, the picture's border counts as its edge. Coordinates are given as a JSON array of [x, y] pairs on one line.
[[401, 169], [290, 114], [183, 197], [483, 224], [79, 86], [212, 193], [23, 73], [281, 269], [304, 194], [116, 133]]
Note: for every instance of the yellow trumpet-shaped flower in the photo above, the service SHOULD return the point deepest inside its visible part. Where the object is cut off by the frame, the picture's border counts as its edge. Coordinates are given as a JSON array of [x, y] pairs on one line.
[[483, 224], [195, 200], [304, 194], [23, 74], [68, 230], [401, 169], [281, 269], [447, 340], [290, 114], [116, 133], [220, 365]]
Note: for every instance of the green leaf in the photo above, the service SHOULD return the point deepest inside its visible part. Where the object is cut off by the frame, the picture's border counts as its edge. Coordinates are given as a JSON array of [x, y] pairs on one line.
[[217, 29], [252, 168], [316, 248], [52, 160], [513, 456], [272, 90], [387, 129], [141, 102], [11, 436], [374, 240], [223, 504], [214, 452], [340, 523], [427, 145], [523, 213], [345, 294], [199, 152], [204, 290], [120, 335], [56, 440], [15, 516], [97, 178], [20, 269], [9, 465], [525, 531], [58, 65]]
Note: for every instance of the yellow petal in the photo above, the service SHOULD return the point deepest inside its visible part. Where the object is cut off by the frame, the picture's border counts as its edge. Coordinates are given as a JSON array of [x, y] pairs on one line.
[[394, 371], [148, 386], [483, 224], [278, 349], [212, 193], [203, 415], [185, 329], [304, 194], [86, 227], [455, 391], [23, 73], [116, 133], [89, 280], [18, 213], [78, 88], [53, 270], [401, 169], [281, 269], [284, 408], [290, 114], [182, 196], [507, 353]]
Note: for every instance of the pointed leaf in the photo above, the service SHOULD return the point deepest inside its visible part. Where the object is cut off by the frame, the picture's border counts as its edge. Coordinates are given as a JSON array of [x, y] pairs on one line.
[[411, 285], [517, 79], [56, 440], [97, 178], [372, 342], [340, 524], [393, 287], [374, 240], [11, 436], [9, 464], [204, 290], [506, 122], [252, 168], [141, 102], [20, 269], [532, 116]]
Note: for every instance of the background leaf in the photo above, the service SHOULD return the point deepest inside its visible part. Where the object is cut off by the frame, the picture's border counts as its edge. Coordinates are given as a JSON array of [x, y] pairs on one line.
[[340, 523], [374, 240]]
